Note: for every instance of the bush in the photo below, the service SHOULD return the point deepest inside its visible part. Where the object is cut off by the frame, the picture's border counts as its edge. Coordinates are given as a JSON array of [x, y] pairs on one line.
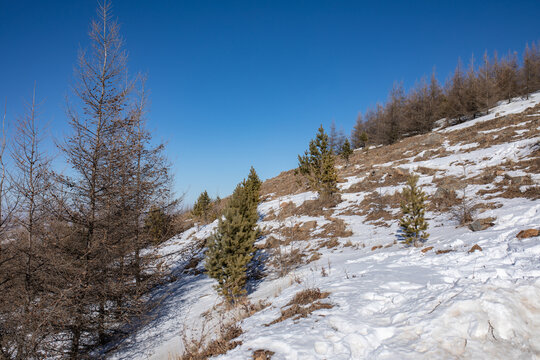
[[157, 225]]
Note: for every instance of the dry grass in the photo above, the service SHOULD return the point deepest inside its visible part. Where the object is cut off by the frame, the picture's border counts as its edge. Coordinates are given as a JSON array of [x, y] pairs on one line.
[[443, 201], [202, 345], [199, 349], [335, 228], [307, 296], [297, 308], [318, 207], [329, 244], [427, 171], [262, 354], [284, 184], [439, 252], [475, 247], [380, 177], [298, 232], [510, 187], [315, 208], [464, 213], [502, 130], [375, 207], [348, 244], [426, 249], [532, 193], [314, 257], [285, 262]]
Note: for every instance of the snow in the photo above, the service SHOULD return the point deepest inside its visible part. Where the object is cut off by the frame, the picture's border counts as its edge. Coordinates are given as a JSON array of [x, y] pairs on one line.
[[459, 147], [504, 108], [297, 200], [350, 181], [402, 303], [477, 160], [394, 302], [180, 302]]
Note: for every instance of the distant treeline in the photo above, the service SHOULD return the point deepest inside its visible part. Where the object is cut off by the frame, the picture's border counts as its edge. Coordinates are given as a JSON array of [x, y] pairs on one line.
[[468, 93]]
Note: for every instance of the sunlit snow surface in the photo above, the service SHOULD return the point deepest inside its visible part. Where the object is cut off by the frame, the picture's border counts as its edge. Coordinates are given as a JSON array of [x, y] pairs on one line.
[[390, 303]]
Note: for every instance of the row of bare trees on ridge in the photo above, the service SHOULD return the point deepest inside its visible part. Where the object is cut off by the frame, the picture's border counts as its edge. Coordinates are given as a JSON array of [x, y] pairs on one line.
[[468, 93]]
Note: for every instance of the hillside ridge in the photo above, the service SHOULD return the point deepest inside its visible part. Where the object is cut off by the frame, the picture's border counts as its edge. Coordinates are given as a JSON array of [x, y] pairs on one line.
[[472, 290]]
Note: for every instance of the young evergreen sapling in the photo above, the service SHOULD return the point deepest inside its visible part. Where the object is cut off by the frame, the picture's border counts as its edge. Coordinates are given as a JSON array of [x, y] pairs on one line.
[[346, 151], [202, 207], [317, 165], [231, 248], [413, 223]]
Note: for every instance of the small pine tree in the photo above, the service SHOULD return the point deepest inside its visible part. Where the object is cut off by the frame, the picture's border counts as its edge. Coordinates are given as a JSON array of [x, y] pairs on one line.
[[202, 207], [253, 187], [317, 164], [157, 224], [231, 248], [413, 208], [346, 151], [364, 139]]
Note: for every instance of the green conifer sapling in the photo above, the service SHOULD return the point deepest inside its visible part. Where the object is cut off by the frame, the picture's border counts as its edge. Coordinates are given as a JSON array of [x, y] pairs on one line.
[[317, 164], [202, 207], [346, 151], [232, 247], [413, 223]]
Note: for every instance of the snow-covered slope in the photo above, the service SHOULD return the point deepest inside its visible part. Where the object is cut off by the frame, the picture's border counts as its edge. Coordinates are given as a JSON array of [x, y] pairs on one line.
[[386, 300]]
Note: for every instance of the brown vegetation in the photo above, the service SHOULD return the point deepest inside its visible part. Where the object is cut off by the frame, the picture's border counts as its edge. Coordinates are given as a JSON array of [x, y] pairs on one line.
[[475, 247], [285, 183], [297, 308], [523, 234], [199, 350], [446, 251], [262, 354]]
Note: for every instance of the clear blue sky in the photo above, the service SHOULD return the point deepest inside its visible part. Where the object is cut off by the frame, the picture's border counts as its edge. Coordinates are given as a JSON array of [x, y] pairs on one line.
[[241, 83]]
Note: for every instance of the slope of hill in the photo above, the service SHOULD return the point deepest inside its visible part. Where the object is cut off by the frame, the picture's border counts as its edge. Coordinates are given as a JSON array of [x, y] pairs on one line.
[[471, 291]]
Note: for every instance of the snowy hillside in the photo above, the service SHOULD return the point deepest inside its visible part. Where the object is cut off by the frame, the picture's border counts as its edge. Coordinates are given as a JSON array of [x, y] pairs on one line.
[[463, 294]]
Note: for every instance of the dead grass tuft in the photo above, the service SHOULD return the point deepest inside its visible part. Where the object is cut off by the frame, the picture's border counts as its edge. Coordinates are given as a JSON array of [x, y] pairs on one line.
[[314, 257], [426, 249], [307, 296], [476, 247], [330, 243], [446, 251], [198, 350], [262, 354], [297, 312], [348, 243], [335, 228], [297, 308]]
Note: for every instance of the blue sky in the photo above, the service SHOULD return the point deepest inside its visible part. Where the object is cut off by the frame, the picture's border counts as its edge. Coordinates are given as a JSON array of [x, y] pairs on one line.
[[241, 83]]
